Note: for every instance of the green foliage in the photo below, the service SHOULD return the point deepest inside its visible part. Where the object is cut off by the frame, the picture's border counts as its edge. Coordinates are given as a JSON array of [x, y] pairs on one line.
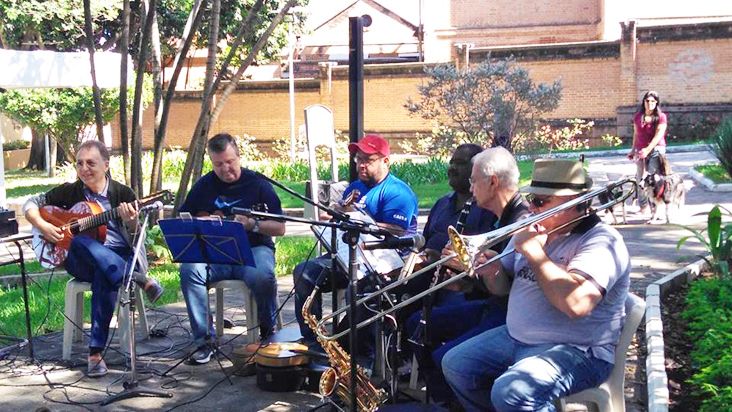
[[30, 267], [717, 241], [721, 143], [58, 24], [291, 250], [63, 113], [16, 145], [434, 170], [487, 104], [715, 172], [156, 245], [709, 318]]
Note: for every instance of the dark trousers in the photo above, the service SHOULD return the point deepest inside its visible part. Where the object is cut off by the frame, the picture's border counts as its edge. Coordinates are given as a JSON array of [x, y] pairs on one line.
[[451, 325]]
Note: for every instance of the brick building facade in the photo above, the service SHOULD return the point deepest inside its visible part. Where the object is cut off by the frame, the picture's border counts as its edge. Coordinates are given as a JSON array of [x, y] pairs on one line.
[[689, 65]]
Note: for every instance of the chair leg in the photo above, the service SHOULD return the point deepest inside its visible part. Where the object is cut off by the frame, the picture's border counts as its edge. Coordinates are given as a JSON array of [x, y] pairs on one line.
[[250, 306], [70, 317], [219, 312], [79, 316]]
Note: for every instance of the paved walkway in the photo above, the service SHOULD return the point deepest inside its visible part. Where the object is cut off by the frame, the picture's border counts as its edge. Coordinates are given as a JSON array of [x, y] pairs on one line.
[[652, 247]]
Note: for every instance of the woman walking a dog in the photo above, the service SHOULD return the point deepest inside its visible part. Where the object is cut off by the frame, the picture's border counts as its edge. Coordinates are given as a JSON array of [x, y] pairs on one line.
[[649, 139]]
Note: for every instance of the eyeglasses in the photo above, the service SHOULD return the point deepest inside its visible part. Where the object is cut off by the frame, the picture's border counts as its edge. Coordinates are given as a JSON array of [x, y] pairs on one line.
[[536, 200], [473, 181], [651, 101], [366, 160]]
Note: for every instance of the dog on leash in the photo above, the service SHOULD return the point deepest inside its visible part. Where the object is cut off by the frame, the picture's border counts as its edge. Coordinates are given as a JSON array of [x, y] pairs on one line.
[[664, 190], [607, 197]]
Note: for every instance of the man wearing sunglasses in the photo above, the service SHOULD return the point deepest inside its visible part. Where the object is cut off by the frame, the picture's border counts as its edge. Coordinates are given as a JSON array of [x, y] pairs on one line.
[[568, 284], [388, 200]]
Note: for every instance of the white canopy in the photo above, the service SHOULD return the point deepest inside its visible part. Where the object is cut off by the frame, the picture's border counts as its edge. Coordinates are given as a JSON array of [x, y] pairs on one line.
[[49, 69]]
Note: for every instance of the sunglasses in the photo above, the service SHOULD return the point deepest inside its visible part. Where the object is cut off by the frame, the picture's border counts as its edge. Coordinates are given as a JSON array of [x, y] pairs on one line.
[[536, 200], [651, 100]]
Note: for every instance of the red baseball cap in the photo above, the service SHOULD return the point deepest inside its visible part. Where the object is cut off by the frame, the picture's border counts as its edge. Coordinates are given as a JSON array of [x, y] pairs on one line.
[[370, 144]]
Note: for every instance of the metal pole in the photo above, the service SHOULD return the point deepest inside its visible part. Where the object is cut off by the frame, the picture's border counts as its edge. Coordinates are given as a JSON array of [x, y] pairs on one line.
[[355, 86]]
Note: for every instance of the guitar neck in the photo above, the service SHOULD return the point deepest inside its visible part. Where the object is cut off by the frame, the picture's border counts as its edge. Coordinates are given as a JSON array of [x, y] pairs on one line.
[[90, 222]]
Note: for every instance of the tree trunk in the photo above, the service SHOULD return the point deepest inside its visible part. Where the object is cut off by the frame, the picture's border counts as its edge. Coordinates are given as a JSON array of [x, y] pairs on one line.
[[124, 51], [157, 87], [195, 149], [89, 32], [161, 117], [137, 109], [205, 118], [255, 49], [37, 158], [53, 153]]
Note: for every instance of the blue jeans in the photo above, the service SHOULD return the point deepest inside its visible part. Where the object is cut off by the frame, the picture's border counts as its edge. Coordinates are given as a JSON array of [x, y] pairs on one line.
[[450, 325], [103, 267], [194, 283], [493, 371]]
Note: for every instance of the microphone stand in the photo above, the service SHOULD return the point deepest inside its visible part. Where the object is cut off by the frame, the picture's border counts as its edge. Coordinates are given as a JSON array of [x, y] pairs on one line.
[[336, 215], [132, 386], [352, 230]]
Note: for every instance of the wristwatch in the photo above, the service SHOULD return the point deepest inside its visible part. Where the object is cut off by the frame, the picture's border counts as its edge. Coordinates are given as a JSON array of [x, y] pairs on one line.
[[255, 228]]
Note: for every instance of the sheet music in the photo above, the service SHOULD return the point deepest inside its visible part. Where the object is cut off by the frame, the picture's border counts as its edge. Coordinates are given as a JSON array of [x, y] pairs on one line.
[[381, 261]]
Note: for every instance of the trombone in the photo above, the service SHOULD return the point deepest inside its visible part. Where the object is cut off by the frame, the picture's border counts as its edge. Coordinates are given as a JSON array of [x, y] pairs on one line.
[[467, 248]]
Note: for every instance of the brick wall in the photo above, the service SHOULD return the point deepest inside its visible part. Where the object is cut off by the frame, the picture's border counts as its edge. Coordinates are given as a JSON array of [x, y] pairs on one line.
[[690, 68]]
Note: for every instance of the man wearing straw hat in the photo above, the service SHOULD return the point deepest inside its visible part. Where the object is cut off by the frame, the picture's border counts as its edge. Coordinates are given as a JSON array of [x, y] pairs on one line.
[[568, 283]]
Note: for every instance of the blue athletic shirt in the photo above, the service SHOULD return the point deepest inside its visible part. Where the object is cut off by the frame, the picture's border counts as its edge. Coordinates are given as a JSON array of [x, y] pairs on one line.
[[390, 201], [210, 194]]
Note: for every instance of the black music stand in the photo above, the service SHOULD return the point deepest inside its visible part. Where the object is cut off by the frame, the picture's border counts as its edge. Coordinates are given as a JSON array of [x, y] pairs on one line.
[[20, 342], [132, 387], [209, 241]]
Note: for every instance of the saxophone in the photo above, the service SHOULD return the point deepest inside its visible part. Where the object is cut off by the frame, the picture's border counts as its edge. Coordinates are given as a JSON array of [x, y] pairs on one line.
[[337, 378]]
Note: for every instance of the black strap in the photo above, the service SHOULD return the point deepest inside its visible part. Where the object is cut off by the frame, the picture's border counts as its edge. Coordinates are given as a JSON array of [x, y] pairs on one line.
[[558, 185]]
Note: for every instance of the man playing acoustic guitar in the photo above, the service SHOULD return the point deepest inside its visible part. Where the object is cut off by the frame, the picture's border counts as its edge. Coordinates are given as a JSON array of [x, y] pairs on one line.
[[101, 262]]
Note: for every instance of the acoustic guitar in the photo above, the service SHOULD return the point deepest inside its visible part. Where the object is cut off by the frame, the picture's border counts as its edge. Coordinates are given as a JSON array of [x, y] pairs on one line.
[[84, 218]]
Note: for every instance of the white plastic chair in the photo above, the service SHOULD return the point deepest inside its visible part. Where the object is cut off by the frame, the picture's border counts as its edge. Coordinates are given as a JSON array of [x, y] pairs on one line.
[[610, 395], [250, 306], [74, 316]]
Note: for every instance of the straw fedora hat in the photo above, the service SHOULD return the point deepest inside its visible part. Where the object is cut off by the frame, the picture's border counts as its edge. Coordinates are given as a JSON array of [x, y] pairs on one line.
[[558, 177]]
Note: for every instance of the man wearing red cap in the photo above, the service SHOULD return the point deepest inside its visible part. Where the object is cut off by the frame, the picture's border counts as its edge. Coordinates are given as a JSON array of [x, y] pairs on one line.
[[387, 199]]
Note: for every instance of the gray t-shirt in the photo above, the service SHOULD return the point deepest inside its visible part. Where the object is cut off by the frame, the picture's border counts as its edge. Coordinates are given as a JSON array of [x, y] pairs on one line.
[[601, 256]]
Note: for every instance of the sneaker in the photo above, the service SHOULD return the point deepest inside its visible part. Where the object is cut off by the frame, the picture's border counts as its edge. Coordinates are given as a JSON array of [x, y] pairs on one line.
[[153, 290], [202, 355], [96, 368]]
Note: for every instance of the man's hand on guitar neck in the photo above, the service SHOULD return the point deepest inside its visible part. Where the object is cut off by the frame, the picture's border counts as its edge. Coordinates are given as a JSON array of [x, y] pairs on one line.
[[128, 214]]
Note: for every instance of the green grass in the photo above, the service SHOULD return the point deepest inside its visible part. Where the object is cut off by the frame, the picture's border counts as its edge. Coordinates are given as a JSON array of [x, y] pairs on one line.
[[290, 251], [715, 172], [31, 266]]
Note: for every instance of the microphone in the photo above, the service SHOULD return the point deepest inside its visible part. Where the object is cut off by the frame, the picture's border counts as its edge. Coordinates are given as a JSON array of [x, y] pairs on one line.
[[416, 241], [151, 207]]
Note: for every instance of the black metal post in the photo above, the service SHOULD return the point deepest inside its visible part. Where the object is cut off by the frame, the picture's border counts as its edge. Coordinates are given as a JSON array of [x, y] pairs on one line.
[[355, 86]]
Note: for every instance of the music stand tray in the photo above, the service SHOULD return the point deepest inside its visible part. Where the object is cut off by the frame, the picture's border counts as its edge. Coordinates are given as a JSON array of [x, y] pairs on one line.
[[207, 241]]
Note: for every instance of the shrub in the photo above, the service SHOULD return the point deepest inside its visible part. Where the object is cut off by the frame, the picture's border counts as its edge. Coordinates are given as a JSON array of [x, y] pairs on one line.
[[718, 241], [16, 145], [722, 144], [709, 316]]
